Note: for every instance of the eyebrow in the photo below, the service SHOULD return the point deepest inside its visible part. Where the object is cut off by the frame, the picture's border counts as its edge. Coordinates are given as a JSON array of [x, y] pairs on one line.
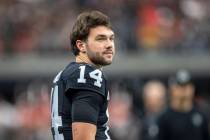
[[102, 35]]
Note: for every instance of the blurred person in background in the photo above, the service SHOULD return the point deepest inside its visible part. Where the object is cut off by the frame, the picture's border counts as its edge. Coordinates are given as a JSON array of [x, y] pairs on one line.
[[123, 124], [79, 95], [182, 120], [154, 99]]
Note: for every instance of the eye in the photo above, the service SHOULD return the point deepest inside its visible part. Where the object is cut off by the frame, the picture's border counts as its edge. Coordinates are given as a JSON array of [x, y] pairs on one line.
[[101, 38], [112, 38]]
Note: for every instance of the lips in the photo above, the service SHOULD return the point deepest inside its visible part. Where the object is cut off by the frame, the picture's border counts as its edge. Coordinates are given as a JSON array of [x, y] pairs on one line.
[[108, 52]]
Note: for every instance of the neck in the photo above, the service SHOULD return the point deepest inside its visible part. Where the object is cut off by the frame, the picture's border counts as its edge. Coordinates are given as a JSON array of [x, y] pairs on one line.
[[182, 105], [82, 58]]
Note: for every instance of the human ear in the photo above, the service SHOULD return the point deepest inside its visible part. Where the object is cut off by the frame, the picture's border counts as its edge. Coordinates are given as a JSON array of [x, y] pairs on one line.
[[81, 46]]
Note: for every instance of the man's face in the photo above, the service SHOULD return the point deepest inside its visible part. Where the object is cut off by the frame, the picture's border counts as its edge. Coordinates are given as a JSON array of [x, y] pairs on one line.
[[100, 47], [183, 92]]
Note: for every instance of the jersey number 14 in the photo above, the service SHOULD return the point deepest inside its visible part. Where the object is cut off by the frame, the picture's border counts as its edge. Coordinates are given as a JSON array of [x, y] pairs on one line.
[[96, 75]]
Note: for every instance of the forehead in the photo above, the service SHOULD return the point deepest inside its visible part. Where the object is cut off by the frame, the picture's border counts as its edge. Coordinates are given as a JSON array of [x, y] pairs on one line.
[[101, 30]]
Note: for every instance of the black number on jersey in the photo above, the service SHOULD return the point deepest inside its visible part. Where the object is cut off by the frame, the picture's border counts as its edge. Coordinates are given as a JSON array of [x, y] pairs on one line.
[[96, 75]]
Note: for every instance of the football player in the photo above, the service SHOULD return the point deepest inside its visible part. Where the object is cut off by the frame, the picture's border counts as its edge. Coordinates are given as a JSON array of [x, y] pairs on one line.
[[79, 96]]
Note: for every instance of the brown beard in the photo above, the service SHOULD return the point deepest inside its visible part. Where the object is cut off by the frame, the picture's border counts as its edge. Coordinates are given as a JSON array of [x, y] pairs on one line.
[[98, 60]]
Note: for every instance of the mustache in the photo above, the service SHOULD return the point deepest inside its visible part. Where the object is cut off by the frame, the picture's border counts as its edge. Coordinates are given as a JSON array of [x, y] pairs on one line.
[[110, 51]]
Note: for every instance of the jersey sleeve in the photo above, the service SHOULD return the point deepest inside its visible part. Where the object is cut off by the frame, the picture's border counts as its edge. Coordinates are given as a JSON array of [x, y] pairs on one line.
[[86, 106], [85, 77]]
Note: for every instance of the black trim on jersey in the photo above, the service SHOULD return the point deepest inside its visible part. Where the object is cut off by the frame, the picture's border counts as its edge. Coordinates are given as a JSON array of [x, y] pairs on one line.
[[53, 131], [86, 105]]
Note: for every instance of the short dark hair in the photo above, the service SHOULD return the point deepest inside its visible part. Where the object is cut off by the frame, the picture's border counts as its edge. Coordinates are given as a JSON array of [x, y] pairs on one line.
[[81, 28]]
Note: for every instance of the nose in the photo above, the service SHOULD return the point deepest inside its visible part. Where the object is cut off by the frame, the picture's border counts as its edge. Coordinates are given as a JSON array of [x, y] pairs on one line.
[[110, 44]]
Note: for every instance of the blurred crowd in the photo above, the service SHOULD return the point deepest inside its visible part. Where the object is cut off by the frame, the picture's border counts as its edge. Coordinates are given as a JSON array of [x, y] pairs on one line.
[[42, 26], [27, 115], [135, 107]]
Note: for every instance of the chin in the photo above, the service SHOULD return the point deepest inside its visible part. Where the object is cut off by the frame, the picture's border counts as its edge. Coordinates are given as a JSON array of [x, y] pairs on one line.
[[107, 62], [102, 61]]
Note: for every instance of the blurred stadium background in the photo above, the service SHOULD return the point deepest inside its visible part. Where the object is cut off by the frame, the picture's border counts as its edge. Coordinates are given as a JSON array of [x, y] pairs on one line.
[[154, 38]]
